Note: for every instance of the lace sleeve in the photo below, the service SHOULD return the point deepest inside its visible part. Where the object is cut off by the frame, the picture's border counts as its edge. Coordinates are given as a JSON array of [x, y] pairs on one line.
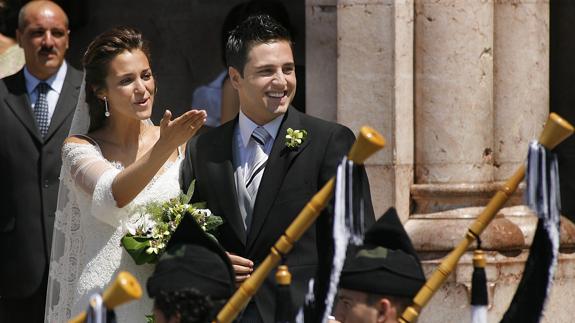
[[91, 173]]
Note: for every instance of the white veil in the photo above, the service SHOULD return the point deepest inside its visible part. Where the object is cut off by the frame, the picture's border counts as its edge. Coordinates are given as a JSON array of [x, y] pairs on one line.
[[68, 239], [68, 249]]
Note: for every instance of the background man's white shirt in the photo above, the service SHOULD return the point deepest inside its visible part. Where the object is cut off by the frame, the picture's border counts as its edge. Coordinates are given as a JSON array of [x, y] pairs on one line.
[[55, 83]]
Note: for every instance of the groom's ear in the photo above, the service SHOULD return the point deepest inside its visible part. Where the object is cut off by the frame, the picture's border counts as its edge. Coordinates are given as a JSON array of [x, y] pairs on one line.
[[235, 77]]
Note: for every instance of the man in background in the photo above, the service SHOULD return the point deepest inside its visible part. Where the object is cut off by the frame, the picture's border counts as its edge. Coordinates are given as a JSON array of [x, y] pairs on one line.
[[36, 109]]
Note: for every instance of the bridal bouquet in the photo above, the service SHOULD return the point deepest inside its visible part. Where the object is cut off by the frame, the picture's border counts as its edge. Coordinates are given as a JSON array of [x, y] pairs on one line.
[[146, 238]]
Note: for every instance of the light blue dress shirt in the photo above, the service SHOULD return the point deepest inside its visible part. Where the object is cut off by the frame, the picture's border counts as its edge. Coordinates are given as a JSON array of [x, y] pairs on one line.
[[55, 82]]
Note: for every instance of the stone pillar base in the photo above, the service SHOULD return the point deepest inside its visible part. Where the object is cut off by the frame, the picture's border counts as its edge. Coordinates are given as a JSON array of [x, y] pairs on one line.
[[506, 241]]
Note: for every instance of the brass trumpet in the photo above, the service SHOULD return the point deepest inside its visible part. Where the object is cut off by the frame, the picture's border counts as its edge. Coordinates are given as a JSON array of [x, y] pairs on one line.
[[368, 142], [124, 289], [555, 131]]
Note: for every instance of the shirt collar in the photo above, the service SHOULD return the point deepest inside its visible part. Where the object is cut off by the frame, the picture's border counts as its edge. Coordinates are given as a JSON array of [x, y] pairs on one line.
[[247, 126], [55, 81]]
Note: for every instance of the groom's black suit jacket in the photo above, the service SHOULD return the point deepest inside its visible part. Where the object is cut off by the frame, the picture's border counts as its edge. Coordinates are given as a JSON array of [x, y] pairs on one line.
[[29, 186], [290, 179]]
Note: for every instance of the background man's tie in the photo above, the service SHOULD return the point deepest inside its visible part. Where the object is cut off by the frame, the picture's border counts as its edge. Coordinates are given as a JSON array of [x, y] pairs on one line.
[[41, 108], [259, 160]]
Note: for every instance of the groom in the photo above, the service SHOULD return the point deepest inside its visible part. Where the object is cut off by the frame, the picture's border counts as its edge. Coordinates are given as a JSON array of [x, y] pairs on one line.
[[249, 176]]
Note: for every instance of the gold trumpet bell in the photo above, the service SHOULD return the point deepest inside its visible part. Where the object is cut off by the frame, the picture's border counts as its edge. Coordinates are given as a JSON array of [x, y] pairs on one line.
[[555, 131], [125, 288], [368, 142]]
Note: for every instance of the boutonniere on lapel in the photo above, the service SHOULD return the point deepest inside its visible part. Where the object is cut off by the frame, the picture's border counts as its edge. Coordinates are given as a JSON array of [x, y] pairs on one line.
[[294, 138]]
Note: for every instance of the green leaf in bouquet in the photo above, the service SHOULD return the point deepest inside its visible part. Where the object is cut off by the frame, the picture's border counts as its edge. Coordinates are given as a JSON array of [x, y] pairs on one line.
[[212, 222], [200, 205], [136, 248], [155, 209], [190, 192]]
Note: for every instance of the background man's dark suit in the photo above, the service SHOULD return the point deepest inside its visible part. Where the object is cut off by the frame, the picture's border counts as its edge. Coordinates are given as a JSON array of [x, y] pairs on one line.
[[290, 179], [29, 186]]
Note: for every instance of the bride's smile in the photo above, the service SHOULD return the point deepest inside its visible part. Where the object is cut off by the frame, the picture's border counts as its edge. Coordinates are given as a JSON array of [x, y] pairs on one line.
[[130, 85]]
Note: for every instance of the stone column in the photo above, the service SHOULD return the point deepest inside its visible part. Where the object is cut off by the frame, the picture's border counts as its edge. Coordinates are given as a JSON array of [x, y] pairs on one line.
[[481, 94], [521, 80], [321, 58], [458, 89], [365, 76], [371, 70]]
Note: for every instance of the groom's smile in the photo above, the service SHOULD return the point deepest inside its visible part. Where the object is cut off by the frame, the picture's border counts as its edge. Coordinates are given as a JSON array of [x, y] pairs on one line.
[[268, 83]]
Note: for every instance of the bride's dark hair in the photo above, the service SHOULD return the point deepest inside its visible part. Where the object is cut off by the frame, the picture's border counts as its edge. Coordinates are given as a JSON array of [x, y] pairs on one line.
[[101, 51]]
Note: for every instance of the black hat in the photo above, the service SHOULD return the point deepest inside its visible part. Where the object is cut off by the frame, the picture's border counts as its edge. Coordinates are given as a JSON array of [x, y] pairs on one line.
[[386, 264], [193, 260]]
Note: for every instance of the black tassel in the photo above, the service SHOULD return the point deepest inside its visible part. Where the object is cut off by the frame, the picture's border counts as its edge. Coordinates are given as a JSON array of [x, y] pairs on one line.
[[529, 299], [542, 197], [479, 280], [284, 305], [479, 296]]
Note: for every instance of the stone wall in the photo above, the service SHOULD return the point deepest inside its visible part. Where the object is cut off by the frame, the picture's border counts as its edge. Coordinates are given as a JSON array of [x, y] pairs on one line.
[[458, 89]]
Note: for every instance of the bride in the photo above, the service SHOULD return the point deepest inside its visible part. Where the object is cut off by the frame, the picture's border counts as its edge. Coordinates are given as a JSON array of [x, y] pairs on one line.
[[115, 161]]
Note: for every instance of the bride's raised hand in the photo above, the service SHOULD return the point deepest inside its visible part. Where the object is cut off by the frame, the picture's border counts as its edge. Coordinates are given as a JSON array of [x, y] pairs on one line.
[[173, 133], [176, 132]]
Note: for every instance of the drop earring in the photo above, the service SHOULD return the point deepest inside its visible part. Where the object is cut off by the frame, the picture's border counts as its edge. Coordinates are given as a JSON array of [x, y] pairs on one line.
[[107, 113]]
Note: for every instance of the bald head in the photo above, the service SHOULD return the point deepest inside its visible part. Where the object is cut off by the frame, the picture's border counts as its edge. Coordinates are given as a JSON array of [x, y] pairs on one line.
[[43, 34], [37, 7]]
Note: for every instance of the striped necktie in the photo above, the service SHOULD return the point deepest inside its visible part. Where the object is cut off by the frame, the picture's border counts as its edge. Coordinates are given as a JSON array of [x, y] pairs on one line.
[[41, 108], [258, 163]]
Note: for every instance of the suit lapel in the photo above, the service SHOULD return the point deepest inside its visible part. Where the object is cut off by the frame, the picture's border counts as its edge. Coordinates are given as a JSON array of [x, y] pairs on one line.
[[17, 100], [221, 174], [279, 161], [66, 101]]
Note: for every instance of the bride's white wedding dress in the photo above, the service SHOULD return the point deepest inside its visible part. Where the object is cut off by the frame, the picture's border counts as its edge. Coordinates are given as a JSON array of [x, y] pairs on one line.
[[88, 229]]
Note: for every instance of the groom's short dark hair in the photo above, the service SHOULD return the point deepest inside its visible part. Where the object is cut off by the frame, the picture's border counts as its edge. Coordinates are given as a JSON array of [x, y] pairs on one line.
[[255, 30]]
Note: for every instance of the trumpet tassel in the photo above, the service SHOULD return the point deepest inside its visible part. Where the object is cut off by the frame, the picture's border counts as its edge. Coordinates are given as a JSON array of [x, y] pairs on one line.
[[555, 131]]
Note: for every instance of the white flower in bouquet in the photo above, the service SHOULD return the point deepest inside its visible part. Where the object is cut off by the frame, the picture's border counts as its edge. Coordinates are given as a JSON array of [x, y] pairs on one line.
[[147, 236], [143, 225]]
